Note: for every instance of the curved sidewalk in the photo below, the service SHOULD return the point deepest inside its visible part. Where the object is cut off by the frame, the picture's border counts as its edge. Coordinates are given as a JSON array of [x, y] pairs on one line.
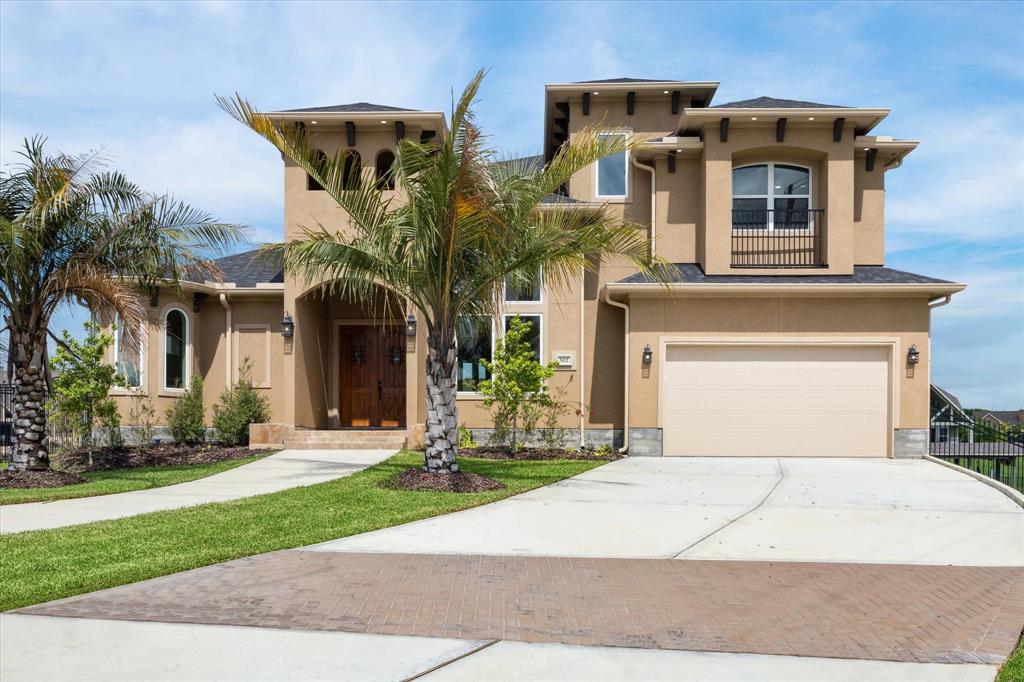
[[285, 469]]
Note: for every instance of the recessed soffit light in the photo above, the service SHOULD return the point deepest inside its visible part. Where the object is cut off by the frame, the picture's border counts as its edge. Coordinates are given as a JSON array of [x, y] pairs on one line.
[[313, 122], [753, 118]]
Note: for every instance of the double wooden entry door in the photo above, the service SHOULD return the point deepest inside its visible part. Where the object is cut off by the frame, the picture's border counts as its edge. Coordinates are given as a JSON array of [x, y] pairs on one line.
[[372, 382]]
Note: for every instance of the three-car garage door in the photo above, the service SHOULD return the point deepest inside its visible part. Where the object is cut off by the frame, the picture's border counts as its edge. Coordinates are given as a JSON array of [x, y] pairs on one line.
[[780, 401]]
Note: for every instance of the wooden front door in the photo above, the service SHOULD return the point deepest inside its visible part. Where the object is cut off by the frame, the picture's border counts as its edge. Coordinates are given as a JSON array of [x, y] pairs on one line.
[[372, 381]]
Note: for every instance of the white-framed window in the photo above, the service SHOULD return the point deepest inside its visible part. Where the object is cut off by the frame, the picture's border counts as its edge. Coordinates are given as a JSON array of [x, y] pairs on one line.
[[524, 292], [474, 336], [771, 196], [176, 349], [611, 178], [535, 337], [129, 358]]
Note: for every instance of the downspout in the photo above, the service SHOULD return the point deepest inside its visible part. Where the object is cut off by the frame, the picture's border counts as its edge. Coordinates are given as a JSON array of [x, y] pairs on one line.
[[940, 301], [583, 365], [227, 340], [654, 200], [625, 392]]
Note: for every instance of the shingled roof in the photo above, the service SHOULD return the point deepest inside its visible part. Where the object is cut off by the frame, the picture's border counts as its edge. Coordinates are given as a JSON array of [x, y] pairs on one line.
[[249, 268], [354, 107], [775, 103], [691, 273]]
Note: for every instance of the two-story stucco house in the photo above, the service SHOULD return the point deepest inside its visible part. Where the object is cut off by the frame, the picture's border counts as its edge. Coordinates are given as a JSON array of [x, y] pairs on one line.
[[784, 333]]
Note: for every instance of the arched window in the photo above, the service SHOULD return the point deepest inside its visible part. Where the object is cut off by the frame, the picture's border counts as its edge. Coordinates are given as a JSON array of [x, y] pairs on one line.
[[771, 196], [385, 168], [175, 349], [353, 169], [311, 184]]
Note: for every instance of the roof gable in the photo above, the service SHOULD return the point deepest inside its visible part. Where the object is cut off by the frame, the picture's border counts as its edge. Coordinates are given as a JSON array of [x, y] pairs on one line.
[[354, 107], [764, 102]]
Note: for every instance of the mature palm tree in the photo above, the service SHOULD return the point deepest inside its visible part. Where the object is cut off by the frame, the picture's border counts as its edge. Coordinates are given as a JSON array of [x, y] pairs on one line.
[[71, 231], [463, 225]]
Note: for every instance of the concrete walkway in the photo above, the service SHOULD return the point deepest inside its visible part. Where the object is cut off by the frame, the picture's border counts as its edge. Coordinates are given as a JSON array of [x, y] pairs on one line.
[[119, 651], [751, 509], [285, 469]]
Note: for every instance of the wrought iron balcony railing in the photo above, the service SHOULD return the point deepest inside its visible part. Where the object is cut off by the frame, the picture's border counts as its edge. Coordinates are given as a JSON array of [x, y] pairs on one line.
[[783, 238]]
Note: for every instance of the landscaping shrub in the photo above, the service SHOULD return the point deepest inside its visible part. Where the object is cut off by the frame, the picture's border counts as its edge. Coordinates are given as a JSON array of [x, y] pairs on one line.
[[238, 407], [187, 416]]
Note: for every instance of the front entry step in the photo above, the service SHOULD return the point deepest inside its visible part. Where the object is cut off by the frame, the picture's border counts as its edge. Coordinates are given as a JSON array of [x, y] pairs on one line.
[[280, 435]]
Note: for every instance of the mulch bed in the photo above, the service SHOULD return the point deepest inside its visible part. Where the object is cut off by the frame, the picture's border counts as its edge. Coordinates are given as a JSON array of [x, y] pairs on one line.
[[38, 479], [459, 482], [165, 455], [501, 452]]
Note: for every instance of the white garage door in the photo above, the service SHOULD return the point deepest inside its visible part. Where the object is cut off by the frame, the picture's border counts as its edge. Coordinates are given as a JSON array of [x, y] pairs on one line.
[[776, 401]]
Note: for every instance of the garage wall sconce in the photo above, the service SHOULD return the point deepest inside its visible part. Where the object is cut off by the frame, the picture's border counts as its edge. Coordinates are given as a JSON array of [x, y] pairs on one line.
[[648, 356], [287, 326], [913, 355]]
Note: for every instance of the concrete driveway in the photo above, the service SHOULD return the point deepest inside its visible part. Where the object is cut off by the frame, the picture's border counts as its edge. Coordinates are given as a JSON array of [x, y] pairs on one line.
[[754, 509]]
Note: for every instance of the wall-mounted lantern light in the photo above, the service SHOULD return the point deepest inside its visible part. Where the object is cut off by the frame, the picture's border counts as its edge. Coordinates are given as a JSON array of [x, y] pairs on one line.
[[287, 326], [410, 325], [648, 356], [913, 355]]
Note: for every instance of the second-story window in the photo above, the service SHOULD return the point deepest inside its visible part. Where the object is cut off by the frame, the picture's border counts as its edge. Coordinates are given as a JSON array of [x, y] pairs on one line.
[[612, 173], [353, 169], [523, 291], [771, 196], [385, 170], [311, 184]]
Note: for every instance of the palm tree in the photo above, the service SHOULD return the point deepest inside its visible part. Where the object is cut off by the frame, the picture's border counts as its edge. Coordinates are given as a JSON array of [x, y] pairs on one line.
[[71, 231], [463, 225]]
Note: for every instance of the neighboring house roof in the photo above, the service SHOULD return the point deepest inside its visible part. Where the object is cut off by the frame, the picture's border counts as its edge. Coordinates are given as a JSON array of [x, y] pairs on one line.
[[775, 103], [558, 199], [249, 268], [354, 107], [948, 397], [1004, 416], [533, 163], [691, 273]]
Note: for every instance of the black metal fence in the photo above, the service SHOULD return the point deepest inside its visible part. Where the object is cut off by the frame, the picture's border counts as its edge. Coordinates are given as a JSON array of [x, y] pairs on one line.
[[979, 446], [61, 434], [790, 238]]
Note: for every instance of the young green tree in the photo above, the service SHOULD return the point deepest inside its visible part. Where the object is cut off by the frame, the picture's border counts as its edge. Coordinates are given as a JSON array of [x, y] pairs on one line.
[[518, 385], [82, 385], [463, 225], [71, 231]]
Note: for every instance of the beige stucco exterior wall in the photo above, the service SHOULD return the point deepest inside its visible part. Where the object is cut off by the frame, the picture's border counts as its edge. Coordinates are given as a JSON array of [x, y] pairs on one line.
[[868, 213], [205, 351], [653, 320]]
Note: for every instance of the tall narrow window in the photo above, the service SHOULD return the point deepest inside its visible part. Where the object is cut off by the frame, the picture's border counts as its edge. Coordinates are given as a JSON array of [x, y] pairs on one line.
[[518, 290], [771, 196], [311, 184], [353, 169], [473, 334], [532, 337], [175, 348], [385, 170], [127, 355], [612, 172]]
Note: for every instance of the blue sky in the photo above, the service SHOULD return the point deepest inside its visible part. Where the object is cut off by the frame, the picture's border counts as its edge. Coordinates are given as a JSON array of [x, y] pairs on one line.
[[137, 80]]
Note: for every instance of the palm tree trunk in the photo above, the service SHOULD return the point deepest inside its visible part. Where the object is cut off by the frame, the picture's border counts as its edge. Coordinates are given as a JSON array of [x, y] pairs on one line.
[[442, 432], [28, 349]]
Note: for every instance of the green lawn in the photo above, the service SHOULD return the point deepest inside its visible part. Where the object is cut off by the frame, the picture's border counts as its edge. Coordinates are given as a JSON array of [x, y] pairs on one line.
[[1013, 669], [122, 481], [38, 566]]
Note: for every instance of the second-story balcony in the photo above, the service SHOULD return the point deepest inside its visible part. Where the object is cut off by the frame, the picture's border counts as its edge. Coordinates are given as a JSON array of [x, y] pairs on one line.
[[779, 238]]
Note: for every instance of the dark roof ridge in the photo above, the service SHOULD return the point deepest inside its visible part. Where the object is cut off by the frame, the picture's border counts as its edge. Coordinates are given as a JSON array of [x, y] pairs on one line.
[[765, 102]]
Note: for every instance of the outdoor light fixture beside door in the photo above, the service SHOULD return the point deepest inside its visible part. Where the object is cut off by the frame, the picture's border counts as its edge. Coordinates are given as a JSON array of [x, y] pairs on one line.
[[913, 355], [287, 326], [410, 325], [648, 356]]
